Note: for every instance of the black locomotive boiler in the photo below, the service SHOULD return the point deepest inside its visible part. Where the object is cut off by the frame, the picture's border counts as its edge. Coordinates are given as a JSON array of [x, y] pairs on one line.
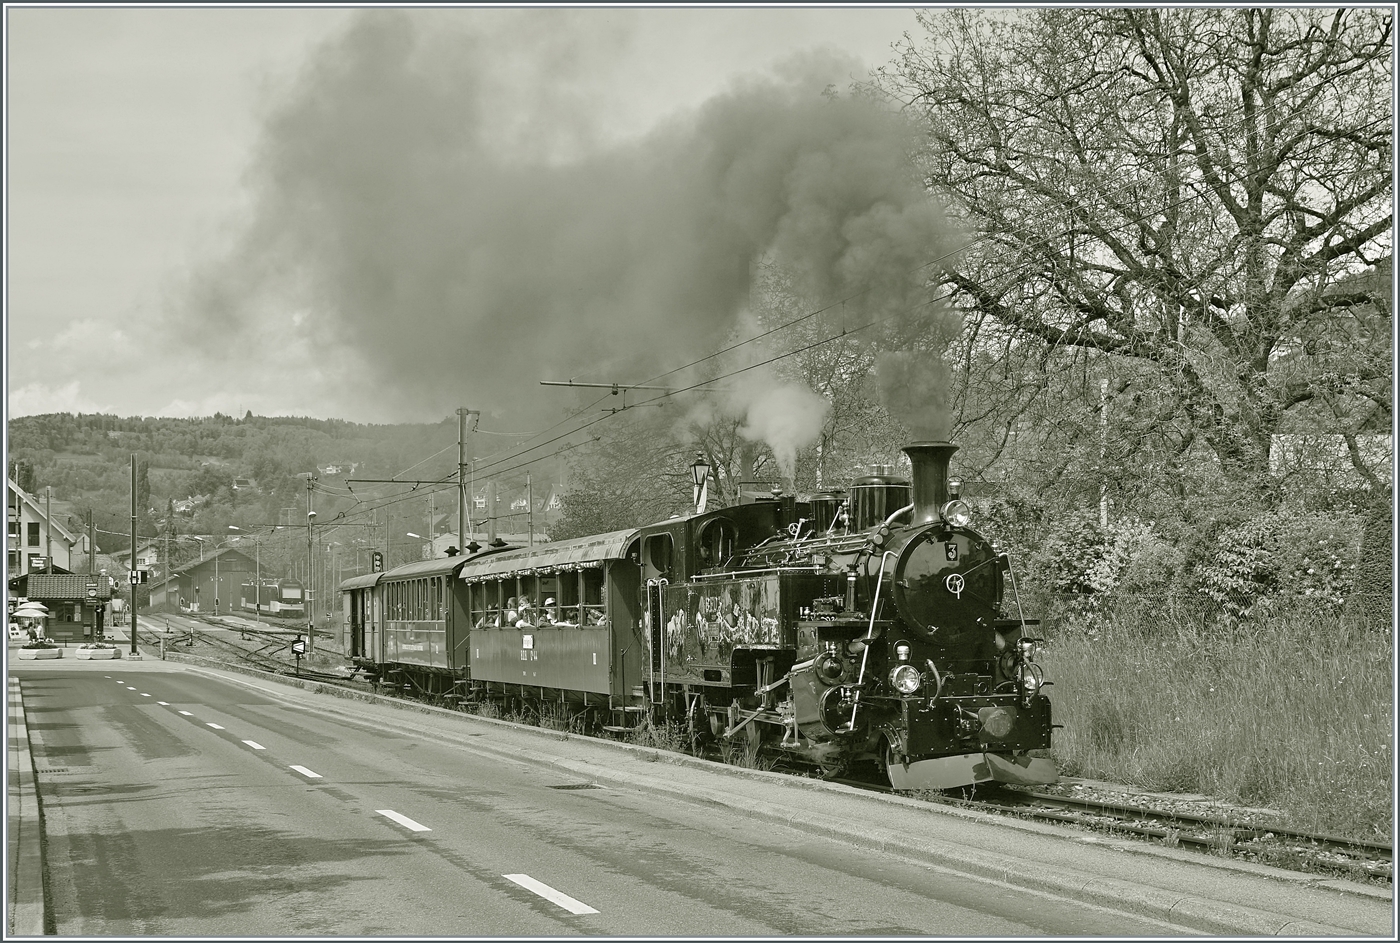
[[843, 630]]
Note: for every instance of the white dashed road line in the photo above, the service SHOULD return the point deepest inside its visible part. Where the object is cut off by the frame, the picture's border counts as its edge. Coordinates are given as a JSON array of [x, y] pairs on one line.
[[187, 713], [145, 695], [403, 820], [130, 688], [306, 772], [550, 894], [214, 725], [255, 744], [163, 703]]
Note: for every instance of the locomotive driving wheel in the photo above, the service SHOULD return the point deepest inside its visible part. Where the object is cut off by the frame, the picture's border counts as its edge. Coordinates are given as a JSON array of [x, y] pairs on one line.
[[890, 758], [697, 718]]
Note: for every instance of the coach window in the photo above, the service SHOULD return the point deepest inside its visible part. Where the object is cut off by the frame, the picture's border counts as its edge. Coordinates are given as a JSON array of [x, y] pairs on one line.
[[568, 599], [593, 609], [496, 595]]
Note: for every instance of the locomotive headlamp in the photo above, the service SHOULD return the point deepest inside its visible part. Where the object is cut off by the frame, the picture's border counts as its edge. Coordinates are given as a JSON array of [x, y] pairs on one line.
[[957, 513], [905, 679], [1026, 646], [955, 487], [1031, 679], [901, 651]]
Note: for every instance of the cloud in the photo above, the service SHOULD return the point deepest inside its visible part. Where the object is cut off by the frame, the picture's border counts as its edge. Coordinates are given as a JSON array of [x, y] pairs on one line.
[[38, 398]]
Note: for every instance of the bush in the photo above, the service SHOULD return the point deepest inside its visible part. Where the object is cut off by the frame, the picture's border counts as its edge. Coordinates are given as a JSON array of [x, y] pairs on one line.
[[1085, 566], [1277, 559]]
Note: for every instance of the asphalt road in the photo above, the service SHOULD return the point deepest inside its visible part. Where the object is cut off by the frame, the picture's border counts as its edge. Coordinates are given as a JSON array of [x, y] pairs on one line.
[[181, 804]]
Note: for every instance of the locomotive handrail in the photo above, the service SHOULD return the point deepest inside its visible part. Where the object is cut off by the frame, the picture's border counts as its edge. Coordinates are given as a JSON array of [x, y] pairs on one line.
[[771, 569], [1015, 590], [869, 637]]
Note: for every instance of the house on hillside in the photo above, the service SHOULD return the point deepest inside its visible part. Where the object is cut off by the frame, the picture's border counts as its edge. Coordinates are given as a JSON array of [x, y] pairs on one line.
[[338, 468], [35, 541], [187, 505], [515, 510], [147, 555]]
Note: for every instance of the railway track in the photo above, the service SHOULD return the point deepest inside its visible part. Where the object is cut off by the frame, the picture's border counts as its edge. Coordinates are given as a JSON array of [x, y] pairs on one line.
[[1239, 834]]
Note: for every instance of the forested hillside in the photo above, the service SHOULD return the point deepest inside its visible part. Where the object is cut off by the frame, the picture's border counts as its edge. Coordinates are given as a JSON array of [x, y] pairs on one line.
[[199, 476]]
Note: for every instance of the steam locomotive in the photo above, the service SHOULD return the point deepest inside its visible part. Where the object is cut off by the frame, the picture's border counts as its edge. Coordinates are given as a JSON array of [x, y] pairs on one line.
[[845, 630]]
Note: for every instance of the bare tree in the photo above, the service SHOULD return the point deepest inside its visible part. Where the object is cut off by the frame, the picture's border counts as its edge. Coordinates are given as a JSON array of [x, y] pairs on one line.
[[1177, 200]]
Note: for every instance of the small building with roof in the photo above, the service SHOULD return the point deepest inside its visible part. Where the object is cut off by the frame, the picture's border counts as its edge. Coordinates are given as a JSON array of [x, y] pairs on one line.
[[211, 586], [77, 602]]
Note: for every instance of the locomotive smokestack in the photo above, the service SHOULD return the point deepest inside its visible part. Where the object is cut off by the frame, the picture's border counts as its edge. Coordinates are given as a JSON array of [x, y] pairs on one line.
[[930, 460]]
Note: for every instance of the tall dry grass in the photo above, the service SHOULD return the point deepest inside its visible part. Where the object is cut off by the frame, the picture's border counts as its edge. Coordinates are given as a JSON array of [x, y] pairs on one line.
[[1293, 713]]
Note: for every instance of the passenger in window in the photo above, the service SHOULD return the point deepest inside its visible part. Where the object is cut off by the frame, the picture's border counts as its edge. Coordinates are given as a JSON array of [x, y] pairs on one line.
[[547, 613]]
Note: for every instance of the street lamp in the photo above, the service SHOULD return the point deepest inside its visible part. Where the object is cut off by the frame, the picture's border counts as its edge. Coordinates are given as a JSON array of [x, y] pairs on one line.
[[700, 474], [257, 572], [420, 537]]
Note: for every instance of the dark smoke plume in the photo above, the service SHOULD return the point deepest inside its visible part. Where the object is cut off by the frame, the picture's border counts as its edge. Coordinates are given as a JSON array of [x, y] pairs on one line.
[[441, 217]]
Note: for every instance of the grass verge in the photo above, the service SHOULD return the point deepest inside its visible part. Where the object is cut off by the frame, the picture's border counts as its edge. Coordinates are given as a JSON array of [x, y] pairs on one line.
[[1293, 713]]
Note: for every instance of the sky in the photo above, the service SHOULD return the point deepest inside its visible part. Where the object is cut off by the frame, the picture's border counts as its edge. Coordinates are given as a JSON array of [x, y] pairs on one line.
[[378, 214]]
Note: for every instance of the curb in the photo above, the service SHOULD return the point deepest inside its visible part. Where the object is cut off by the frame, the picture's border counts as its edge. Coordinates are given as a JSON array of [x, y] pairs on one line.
[[1191, 912], [26, 904]]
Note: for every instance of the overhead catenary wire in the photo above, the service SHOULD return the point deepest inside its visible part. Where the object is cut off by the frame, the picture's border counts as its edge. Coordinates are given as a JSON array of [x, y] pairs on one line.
[[1126, 223]]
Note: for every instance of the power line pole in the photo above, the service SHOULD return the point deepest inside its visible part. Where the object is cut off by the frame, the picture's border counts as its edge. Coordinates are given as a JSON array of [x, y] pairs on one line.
[[310, 568], [131, 574], [463, 515]]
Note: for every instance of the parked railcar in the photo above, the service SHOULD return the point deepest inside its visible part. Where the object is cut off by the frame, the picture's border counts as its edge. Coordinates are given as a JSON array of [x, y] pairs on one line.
[[280, 599]]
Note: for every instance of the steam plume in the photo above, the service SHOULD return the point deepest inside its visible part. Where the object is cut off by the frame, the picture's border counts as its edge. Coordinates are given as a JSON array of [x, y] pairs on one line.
[[446, 216]]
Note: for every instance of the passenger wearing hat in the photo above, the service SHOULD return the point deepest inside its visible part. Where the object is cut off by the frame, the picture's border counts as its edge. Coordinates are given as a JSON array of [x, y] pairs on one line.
[[547, 613]]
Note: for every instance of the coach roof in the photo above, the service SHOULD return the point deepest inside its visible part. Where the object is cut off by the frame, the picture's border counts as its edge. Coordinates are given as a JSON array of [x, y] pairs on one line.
[[575, 554], [360, 582]]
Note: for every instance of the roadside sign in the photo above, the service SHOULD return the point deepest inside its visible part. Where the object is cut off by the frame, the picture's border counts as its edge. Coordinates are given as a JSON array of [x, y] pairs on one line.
[[92, 591], [134, 577], [299, 646]]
